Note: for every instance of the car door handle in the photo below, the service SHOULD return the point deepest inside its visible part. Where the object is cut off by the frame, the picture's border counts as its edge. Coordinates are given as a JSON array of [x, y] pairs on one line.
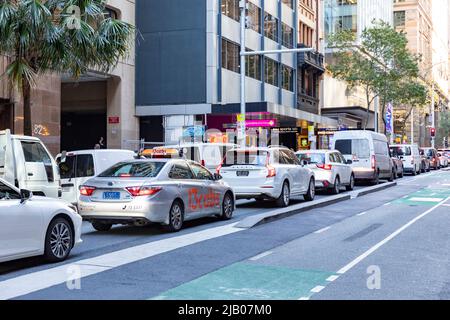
[[30, 174]]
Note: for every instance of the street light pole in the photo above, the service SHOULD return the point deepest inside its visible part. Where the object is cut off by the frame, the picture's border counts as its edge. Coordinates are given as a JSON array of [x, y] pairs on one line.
[[433, 118], [242, 121]]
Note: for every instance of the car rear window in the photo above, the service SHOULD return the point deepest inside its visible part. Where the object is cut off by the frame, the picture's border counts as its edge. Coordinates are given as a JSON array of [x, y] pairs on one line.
[[133, 170], [401, 151], [313, 158], [255, 158], [356, 147]]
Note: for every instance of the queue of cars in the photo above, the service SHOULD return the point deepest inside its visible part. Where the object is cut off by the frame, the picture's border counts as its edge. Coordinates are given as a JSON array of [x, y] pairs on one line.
[[173, 184]]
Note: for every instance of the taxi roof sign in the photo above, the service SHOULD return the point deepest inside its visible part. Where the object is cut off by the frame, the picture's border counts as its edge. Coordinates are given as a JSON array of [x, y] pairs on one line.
[[161, 153]]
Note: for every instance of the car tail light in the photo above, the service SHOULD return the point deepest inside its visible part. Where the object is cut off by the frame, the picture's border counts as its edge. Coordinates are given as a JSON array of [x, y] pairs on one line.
[[87, 191], [271, 172], [143, 191], [373, 162], [324, 166], [203, 163]]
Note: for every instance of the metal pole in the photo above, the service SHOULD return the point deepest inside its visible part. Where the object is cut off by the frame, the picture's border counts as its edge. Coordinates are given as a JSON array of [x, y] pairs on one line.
[[433, 122], [412, 126], [241, 122], [376, 109]]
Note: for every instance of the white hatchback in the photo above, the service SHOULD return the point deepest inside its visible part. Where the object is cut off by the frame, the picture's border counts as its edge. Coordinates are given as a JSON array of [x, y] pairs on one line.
[[33, 226], [273, 173], [330, 168]]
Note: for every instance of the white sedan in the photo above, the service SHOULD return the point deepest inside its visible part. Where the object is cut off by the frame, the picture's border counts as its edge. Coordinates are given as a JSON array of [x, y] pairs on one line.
[[34, 226], [330, 168]]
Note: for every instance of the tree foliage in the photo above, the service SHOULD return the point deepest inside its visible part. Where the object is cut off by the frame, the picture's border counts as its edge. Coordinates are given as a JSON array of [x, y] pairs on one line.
[[381, 64], [63, 36]]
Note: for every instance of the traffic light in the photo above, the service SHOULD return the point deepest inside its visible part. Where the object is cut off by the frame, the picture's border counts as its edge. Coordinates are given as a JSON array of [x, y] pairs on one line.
[[433, 132]]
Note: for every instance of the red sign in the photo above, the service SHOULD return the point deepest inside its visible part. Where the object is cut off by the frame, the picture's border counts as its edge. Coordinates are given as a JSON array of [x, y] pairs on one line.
[[261, 123], [114, 120]]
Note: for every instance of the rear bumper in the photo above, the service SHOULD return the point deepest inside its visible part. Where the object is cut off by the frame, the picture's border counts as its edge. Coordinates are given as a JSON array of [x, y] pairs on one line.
[[255, 192], [364, 174], [118, 213]]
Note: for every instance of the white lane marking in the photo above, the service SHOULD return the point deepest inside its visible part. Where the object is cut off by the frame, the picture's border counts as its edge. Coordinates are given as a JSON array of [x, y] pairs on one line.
[[303, 299], [446, 205], [362, 213], [332, 278], [317, 289], [260, 256], [446, 184], [322, 230], [405, 197], [387, 204], [387, 239], [419, 199], [26, 284]]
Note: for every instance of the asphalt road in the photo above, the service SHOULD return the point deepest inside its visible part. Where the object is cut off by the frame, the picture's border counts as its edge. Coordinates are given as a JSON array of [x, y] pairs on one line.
[[392, 244]]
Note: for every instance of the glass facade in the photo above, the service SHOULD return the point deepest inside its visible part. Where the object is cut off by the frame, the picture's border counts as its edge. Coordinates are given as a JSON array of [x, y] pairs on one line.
[[340, 15]]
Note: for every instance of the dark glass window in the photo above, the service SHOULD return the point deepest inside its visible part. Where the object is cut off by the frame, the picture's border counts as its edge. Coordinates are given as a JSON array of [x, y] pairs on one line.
[[271, 71], [134, 170], [253, 66], [288, 78], [201, 173], [230, 8], [230, 56], [66, 169], [181, 171], [85, 166], [271, 27], [254, 16], [288, 36]]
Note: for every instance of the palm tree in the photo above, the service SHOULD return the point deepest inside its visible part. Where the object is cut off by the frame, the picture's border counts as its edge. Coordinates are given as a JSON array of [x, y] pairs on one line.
[[62, 36]]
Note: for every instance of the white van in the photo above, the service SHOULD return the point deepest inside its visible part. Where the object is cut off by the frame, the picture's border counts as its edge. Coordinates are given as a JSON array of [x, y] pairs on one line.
[[26, 163], [209, 155], [369, 153], [78, 166], [409, 154]]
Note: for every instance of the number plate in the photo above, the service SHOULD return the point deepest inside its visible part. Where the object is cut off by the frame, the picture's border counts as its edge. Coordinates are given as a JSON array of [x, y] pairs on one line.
[[111, 195], [242, 173]]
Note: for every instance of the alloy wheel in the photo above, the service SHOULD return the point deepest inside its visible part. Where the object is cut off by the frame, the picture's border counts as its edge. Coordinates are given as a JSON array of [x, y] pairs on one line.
[[60, 240]]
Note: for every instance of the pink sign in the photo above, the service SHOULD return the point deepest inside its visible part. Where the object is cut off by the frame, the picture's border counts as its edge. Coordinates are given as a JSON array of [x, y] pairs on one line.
[[261, 123]]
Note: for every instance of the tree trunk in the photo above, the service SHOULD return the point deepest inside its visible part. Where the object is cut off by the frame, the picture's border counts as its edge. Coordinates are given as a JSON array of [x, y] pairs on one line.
[[26, 94]]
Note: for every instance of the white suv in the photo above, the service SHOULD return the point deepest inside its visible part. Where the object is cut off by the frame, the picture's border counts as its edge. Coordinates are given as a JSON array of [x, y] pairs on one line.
[[273, 173]]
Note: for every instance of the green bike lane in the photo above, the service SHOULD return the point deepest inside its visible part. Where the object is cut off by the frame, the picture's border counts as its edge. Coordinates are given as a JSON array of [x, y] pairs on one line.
[[306, 267]]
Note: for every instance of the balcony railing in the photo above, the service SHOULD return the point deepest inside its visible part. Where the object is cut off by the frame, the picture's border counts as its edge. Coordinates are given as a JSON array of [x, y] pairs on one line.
[[312, 58]]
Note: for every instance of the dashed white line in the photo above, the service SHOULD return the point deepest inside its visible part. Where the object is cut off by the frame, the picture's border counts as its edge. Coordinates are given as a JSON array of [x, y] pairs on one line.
[[317, 289], [389, 238], [322, 230], [332, 278], [304, 298], [260, 256], [362, 213], [387, 204]]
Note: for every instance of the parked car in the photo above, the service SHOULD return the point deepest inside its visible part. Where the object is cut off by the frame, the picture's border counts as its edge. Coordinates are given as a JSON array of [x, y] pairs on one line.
[[369, 153], [426, 164], [164, 191], [26, 163], [432, 155], [33, 226], [443, 160], [410, 156], [78, 166], [209, 155], [331, 170], [398, 165], [273, 173]]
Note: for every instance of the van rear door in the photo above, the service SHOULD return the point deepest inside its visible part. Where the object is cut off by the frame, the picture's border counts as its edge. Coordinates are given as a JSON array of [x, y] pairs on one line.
[[7, 162]]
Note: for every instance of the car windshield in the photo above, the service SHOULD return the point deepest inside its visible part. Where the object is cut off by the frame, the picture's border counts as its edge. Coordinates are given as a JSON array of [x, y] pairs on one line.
[[357, 147], [429, 153], [251, 157], [401, 151], [312, 158], [6, 193], [134, 170]]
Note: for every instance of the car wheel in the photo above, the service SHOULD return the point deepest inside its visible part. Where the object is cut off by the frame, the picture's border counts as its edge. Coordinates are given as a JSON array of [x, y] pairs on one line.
[[58, 240], [337, 186], [102, 227], [285, 196], [402, 173], [176, 217], [351, 185], [311, 194], [392, 177], [227, 207], [376, 179]]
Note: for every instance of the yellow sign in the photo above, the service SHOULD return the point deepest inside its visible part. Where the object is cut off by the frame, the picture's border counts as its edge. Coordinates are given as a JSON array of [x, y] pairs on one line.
[[241, 117]]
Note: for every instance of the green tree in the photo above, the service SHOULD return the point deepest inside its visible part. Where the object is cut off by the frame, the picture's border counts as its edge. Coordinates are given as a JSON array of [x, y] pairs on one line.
[[381, 64], [445, 124], [62, 36]]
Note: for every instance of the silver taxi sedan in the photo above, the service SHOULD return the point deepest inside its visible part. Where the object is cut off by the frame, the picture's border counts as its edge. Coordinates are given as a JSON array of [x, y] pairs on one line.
[[164, 191]]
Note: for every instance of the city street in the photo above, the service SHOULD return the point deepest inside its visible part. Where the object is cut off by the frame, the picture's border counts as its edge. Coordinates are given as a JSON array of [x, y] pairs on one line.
[[390, 244]]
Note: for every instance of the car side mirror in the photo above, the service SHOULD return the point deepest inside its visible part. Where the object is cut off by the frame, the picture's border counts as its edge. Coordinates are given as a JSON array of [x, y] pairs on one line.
[[401, 157], [217, 177], [349, 162], [63, 157], [25, 195]]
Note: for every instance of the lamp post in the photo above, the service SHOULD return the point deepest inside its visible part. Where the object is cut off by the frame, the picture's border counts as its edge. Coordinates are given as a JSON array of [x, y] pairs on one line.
[[241, 123]]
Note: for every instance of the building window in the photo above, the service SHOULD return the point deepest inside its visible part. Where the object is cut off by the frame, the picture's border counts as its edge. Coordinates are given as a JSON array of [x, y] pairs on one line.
[[230, 56], [289, 3], [271, 68], [270, 27], [230, 8], [253, 67], [399, 18], [287, 78], [254, 14], [340, 15], [288, 36]]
